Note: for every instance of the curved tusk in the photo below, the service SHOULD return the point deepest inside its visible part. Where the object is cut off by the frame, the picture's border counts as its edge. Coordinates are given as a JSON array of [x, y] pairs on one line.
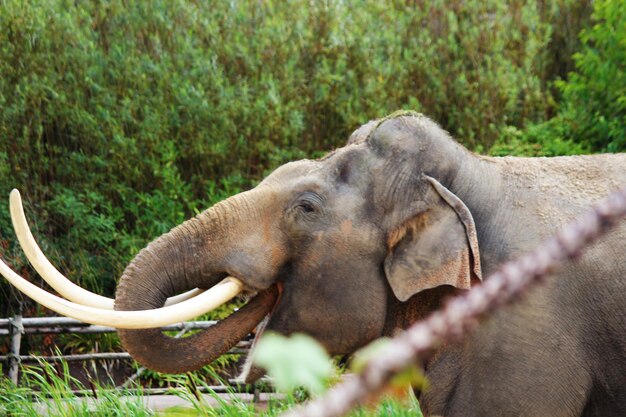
[[183, 297], [141, 319], [52, 276]]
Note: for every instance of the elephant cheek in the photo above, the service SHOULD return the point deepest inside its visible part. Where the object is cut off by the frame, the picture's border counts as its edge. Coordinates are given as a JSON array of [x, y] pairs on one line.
[[338, 331], [257, 268]]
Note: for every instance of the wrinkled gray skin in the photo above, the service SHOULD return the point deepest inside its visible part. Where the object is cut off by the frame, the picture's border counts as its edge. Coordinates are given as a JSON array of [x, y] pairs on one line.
[[372, 237]]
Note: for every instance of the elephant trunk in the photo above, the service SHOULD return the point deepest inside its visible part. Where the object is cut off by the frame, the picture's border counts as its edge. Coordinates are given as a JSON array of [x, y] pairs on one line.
[[187, 257]]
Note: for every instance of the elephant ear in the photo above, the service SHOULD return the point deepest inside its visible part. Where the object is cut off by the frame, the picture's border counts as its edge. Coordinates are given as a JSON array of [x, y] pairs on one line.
[[437, 246]]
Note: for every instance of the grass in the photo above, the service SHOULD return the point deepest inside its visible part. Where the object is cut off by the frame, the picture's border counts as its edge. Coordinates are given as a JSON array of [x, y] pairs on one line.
[[46, 391]]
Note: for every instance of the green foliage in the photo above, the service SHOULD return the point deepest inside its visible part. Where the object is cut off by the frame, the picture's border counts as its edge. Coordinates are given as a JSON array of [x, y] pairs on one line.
[[188, 388], [592, 112], [545, 139], [119, 119], [79, 343], [301, 362], [594, 96], [45, 391], [567, 18], [50, 394], [293, 362]]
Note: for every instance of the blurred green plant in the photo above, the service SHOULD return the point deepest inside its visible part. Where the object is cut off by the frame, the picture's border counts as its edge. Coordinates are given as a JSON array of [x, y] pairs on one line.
[[300, 362], [294, 362]]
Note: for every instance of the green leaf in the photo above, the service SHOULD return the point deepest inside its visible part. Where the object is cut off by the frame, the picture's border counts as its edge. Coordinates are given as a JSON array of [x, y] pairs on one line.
[[293, 362]]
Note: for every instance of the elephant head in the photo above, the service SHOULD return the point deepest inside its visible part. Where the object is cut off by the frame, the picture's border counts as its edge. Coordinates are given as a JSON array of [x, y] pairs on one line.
[[332, 246]]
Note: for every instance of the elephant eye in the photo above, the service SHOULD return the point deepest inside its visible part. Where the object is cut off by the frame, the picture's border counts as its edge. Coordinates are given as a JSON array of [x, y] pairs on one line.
[[306, 206], [308, 203]]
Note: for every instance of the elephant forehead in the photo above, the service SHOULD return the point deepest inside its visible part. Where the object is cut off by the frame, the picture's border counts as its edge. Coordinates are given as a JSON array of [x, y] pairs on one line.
[[294, 172], [342, 171]]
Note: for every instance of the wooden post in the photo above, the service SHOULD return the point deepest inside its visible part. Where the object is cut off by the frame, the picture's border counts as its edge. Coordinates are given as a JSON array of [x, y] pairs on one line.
[[16, 329], [256, 393]]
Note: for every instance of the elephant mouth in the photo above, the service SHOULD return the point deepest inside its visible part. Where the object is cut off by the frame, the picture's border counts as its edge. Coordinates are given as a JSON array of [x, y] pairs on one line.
[[258, 332], [251, 373]]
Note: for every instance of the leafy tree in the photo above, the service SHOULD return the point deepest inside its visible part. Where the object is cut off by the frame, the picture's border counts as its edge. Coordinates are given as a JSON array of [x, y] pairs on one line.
[[592, 112], [594, 96]]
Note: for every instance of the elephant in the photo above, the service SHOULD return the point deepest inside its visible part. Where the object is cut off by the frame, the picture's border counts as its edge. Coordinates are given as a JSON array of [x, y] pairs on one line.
[[374, 236]]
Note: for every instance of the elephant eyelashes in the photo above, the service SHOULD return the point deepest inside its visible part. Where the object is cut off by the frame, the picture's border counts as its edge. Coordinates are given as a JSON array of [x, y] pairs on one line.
[[306, 207], [309, 203]]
